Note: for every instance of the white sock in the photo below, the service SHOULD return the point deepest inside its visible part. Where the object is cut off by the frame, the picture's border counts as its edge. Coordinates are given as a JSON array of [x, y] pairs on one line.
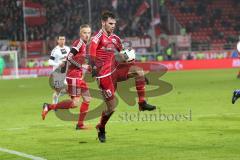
[[55, 98]]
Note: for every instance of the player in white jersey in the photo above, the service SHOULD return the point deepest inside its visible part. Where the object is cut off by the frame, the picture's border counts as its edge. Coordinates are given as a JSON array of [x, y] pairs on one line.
[[58, 61]]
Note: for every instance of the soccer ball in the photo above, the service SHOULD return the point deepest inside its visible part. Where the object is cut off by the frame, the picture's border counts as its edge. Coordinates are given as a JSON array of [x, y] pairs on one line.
[[129, 54], [238, 47]]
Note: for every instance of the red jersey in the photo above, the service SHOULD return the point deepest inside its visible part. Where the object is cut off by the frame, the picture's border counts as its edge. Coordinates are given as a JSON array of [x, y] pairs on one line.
[[102, 52], [76, 59]]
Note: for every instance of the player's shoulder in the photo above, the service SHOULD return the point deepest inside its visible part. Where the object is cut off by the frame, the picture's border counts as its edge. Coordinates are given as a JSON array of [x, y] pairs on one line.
[[67, 47], [97, 36], [77, 42], [55, 49], [116, 36]]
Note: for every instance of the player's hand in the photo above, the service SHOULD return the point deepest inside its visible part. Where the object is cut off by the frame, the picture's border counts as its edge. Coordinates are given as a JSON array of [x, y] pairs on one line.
[[124, 57], [64, 67], [63, 64], [87, 68]]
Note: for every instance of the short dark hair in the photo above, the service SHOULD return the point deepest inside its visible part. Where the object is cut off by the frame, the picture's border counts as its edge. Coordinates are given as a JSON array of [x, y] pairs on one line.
[[107, 14], [61, 35]]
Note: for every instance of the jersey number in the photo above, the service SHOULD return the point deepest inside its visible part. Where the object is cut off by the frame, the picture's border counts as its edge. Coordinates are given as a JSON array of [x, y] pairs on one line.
[[107, 93]]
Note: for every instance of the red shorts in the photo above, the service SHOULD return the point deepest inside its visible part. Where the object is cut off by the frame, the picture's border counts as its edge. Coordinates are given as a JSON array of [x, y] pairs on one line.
[[76, 86], [108, 85]]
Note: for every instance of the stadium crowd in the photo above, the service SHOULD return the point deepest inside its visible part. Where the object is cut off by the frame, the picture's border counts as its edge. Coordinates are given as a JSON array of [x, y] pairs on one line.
[[65, 16]]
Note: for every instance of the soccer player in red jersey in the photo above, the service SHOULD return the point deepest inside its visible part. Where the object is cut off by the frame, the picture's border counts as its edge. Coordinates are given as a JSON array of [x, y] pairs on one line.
[[109, 71], [77, 87]]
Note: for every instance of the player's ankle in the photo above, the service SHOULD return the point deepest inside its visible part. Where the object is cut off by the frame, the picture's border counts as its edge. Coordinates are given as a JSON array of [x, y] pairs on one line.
[[99, 125], [51, 107], [80, 124], [141, 101]]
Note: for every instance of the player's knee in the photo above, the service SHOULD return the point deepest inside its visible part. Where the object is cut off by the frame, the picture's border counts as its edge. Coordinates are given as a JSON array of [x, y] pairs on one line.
[[87, 99], [140, 73], [111, 105], [113, 108], [57, 91], [110, 110], [137, 71]]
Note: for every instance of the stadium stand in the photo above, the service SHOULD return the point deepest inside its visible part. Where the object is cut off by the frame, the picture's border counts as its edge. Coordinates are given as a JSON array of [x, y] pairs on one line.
[[65, 17], [208, 21]]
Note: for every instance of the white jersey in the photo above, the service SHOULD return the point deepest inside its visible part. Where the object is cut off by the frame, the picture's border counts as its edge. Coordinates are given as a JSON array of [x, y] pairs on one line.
[[58, 55]]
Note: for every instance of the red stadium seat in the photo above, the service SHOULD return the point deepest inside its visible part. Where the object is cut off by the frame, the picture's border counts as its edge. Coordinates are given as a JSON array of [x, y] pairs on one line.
[[202, 34]]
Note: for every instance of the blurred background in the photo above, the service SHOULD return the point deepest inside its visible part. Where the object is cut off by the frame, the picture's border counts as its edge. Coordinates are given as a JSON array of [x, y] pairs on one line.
[[159, 30]]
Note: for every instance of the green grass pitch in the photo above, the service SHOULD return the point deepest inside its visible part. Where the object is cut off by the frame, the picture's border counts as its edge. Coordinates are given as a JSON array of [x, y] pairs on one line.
[[211, 131]]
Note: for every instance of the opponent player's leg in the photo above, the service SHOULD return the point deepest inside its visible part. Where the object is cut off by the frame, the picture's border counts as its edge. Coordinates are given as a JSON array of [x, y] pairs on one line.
[[140, 81], [236, 95], [56, 95], [55, 89], [74, 91], [83, 109]]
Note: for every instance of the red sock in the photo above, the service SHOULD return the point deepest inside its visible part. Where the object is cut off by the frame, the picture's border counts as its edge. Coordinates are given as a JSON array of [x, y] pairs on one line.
[[104, 119], [66, 104], [140, 87], [83, 112]]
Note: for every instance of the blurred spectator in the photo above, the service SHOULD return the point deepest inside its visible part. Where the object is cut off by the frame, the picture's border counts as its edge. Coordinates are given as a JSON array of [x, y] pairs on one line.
[[169, 52], [183, 8], [234, 54], [216, 34], [205, 22], [201, 8], [226, 24], [2, 65], [189, 56], [217, 13]]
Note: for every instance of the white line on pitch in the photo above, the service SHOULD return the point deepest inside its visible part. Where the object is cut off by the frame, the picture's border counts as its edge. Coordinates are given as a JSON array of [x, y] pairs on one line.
[[21, 154]]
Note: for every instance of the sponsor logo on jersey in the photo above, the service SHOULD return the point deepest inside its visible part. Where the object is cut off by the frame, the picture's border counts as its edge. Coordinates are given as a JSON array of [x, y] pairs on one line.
[[63, 51]]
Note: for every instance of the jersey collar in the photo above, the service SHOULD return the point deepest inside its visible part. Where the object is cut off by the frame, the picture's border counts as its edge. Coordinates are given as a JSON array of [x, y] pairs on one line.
[[106, 33]]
